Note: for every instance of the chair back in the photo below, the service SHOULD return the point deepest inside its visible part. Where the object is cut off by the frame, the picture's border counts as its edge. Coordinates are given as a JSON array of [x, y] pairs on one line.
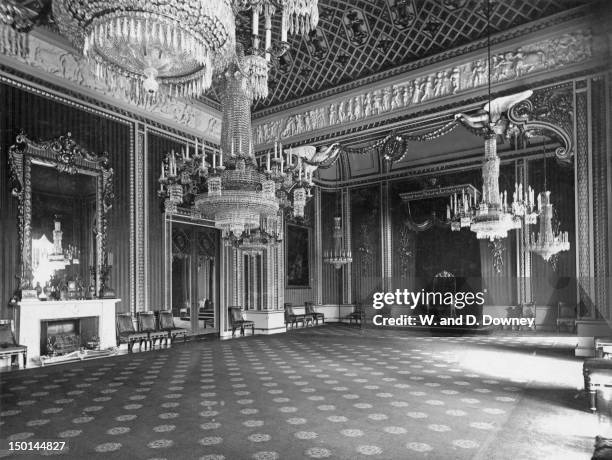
[[7, 338], [166, 320], [235, 314], [289, 309], [309, 308], [565, 311], [125, 323], [146, 321]]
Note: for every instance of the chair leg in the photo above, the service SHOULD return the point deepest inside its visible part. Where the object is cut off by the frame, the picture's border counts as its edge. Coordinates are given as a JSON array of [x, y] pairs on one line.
[[233, 331], [242, 331], [25, 360], [253, 329]]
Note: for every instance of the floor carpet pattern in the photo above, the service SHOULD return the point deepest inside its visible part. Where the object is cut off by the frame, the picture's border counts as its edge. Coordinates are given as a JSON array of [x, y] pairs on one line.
[[329, 392]]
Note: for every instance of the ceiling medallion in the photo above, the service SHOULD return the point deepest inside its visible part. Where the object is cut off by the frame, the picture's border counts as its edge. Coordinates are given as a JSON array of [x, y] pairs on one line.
[[169, 42]]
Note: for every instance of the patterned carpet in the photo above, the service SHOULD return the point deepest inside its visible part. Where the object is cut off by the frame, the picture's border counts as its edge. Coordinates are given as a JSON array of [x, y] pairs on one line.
[[328, 392]]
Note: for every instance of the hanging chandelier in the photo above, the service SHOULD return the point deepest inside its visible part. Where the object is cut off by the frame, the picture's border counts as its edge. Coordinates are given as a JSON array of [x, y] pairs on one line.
[[244, 196], [338, 256], [493, 217], [546, 244], [169, 42]]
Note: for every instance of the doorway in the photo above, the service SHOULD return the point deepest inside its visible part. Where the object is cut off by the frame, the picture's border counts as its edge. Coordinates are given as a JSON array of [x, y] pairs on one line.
[[195, 278]]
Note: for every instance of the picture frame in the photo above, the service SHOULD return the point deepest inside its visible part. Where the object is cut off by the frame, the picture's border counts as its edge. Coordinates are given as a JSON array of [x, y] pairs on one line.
[[297, 256]]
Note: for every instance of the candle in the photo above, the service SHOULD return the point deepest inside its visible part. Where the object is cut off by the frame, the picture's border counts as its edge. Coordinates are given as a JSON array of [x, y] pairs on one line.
[[275, 150], [268, 162], [448, 212], [163, 171], [255, 21], [221, 157], [282, 162], [268, 43], [231, 151], [214, 160], [203, 161], [284, 27], [290, 154]]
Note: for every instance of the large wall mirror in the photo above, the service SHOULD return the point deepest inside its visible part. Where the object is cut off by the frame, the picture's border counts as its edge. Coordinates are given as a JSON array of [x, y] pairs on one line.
[[65, 194]]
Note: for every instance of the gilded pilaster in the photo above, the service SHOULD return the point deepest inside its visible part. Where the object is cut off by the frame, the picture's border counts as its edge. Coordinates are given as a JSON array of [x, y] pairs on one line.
[[347, 270], [318, 249]]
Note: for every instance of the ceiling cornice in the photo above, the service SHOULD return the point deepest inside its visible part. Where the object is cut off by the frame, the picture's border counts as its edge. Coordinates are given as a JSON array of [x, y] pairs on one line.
[[505, 36]]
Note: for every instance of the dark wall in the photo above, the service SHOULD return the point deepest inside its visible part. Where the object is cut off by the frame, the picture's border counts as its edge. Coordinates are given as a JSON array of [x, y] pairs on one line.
[[366, 243], [43, 118]]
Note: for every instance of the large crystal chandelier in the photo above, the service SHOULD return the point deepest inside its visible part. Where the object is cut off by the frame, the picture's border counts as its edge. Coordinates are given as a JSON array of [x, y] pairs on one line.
[[492, 218], [294, 16], [245, 198], [170, 42]]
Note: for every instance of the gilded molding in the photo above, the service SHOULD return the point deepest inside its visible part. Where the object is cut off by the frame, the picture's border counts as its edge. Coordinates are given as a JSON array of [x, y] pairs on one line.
[[510, 65], [67, 157], [72, 67], [140, 175]]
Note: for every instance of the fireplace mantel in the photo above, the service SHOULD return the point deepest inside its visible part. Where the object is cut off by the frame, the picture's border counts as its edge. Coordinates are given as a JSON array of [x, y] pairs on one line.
[[30, 313]]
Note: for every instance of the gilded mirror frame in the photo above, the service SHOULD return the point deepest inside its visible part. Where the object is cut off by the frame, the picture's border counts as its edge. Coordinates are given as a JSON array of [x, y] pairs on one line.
[[65, 155]]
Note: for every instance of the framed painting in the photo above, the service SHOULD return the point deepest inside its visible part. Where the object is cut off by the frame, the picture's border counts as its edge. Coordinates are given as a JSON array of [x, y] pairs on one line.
[[297, 260]]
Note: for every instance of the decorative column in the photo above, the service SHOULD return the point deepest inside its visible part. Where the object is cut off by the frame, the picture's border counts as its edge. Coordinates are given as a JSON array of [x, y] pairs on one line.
[[584, 208], [347, 274], [386, 243], [139, 214], [318, 249], [592, 213]]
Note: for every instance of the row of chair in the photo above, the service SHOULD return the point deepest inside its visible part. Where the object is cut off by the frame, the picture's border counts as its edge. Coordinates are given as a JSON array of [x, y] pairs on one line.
[[310, 315], [149, 329]]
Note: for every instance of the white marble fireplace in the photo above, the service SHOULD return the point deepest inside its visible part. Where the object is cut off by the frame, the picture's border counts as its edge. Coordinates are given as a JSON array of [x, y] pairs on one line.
[[30, 315]]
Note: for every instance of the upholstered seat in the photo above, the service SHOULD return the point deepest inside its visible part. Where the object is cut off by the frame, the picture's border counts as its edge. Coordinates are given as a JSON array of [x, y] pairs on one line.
[[166, 324], [294, 318], [357, 315], [9, 346], [310, 310], [127, 333], [146, 323], [237, 321]]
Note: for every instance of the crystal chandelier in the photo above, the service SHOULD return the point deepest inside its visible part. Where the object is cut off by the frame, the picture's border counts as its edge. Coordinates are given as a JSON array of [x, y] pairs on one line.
[[295, 17], [547, 243], [338, 256], [245, 198], [169, 42]]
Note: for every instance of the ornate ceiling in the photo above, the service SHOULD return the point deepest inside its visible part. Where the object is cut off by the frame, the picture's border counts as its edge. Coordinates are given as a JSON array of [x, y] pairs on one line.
[[358, 38]]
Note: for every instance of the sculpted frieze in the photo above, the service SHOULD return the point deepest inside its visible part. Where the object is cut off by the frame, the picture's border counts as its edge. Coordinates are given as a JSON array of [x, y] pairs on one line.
[[56, 61], [553, 53]]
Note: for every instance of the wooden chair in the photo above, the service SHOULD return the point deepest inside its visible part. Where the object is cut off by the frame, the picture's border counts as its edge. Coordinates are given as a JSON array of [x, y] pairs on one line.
[[295, 318], [357, 315], [166, 324], [146, 323], [309, 309], [237, 321], [566, 315], [9, 346], [126, 333]]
